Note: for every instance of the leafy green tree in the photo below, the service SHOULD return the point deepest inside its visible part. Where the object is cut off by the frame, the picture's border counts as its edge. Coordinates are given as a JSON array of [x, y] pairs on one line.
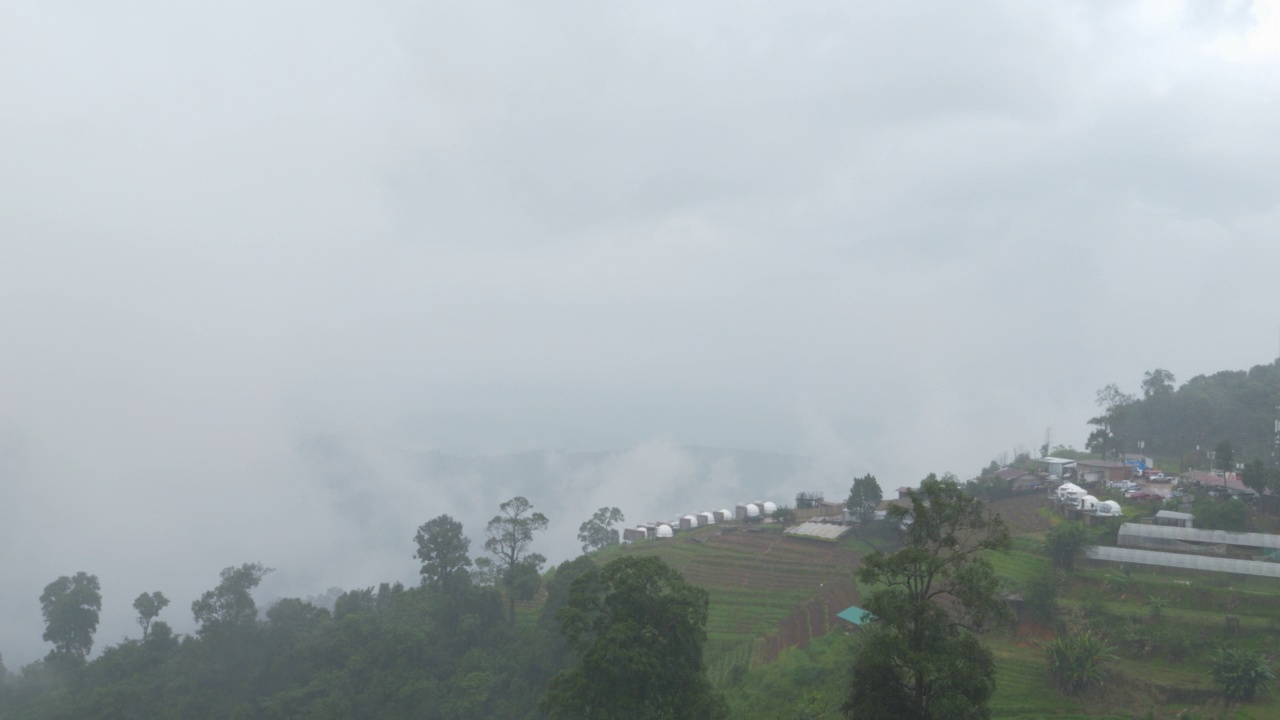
[[510, 533], [1063, 543], [1256, 476], [1077, 661], [1157, 382], [484, 573], [1227, 514], [149, 606], [1040, 592], [1240, 674], [230, 606], [598, 533], [785, 515], [1105, 438], [70, 606], [864, 497], [921, 659], [638, 629], [442, 548], [1224, 456]]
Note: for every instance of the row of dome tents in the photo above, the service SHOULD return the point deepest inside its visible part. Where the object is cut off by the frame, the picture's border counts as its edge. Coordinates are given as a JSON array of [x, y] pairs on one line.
[[1078, 498], [746, 512]]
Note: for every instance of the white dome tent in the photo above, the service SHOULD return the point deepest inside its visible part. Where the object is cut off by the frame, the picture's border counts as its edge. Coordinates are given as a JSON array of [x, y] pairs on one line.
[[665, 531], [768, 508], [1109, 508], [1070, 492], [1088, 503]]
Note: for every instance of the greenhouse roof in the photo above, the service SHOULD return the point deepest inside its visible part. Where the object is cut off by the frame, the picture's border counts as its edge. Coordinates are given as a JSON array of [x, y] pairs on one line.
[[1184, 561], [826, 531], [1166, 532]]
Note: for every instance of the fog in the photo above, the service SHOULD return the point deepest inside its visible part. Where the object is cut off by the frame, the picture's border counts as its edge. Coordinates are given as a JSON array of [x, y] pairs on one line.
[[280, 283]]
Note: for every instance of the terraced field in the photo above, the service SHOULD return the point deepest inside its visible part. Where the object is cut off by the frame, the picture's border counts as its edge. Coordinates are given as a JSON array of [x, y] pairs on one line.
[[757, 577]]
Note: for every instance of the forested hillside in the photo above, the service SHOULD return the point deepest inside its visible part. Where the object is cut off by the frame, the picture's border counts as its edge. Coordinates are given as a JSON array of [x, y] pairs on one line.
[[1170, 421], [393, 652]]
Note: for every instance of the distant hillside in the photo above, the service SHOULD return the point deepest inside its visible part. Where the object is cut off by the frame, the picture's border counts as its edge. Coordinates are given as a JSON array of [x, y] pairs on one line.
[[1232, 405]]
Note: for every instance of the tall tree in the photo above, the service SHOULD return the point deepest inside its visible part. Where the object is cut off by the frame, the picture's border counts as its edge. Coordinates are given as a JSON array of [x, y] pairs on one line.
[[921, 659], [864, 497], [442, 548], [510, 533], [1105, 438], [1063, 543], [1224, 456], [70, 606], [1256, 475], [638, 629], [1157, 382], [598, 533], [230, 606], [149, 606]]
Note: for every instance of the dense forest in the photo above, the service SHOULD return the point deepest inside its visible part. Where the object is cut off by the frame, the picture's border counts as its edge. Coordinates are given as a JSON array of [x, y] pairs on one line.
[[388, 652], [454, 647], [1183, 424]]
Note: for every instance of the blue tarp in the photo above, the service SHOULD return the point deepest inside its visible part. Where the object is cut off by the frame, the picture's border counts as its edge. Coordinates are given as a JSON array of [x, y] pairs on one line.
[[855, 615]]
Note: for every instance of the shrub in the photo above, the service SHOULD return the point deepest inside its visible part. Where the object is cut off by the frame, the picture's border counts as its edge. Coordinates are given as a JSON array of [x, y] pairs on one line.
[[1240, 674], [1076, 662]]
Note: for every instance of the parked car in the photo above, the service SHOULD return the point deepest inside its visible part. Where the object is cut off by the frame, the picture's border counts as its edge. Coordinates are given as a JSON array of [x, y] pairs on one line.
[[1140, 495]]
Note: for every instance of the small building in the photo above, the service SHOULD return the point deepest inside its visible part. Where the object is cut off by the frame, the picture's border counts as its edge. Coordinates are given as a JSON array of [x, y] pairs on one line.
[[1174, 519], [1142, 462], [1059, 468], [706, 518], [902, 493], [1019, 480], [688, 522], [635, 534], [723, 515], [1096, 471]]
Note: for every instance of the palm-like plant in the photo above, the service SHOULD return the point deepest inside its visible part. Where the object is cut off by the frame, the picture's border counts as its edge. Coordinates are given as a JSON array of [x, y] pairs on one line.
[[1157, 605], [1077, 661], [1239, 674]]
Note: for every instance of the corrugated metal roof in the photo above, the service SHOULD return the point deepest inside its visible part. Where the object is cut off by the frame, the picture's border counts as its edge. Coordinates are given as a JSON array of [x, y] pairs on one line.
[[1184, 561], [1168, 532], [1170, 514]]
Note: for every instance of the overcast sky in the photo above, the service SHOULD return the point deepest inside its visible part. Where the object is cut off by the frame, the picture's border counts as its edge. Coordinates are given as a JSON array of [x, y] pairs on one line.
[[894, 237]]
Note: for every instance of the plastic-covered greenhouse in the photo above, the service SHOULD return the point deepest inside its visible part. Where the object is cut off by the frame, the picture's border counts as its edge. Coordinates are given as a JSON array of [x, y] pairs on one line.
[[1165, 537], [1183, 561]]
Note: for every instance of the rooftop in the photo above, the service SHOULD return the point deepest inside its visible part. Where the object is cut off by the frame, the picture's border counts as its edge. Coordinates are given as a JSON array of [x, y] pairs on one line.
[[1169, 532], [1182, 560]]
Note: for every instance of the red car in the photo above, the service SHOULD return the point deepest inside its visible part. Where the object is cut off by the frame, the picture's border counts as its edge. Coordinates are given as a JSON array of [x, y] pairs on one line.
[[1141, 495]]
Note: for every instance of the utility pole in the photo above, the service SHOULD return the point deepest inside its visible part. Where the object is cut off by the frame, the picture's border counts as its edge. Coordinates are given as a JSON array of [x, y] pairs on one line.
[[1275, 447]]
